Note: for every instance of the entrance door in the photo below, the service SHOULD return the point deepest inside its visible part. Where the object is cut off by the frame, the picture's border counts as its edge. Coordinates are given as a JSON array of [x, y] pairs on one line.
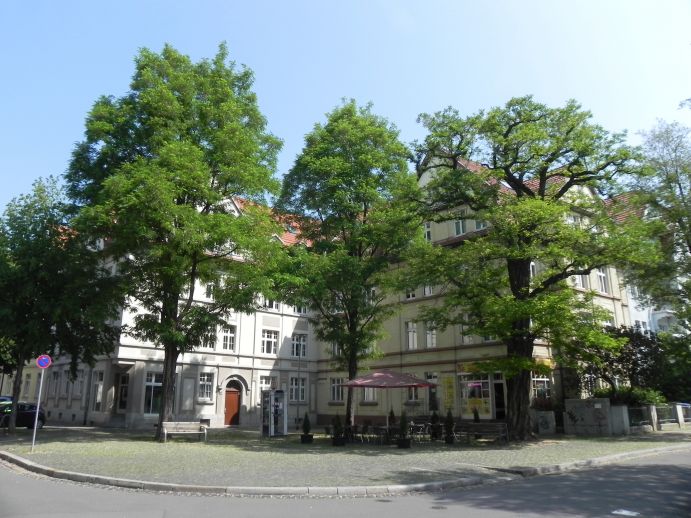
[[499, 400], [232, 406]]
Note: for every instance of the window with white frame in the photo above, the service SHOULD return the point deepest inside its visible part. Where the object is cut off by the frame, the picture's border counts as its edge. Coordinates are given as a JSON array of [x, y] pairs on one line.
[[153, 392], [336, 389], [209, 341], [574, 219], [369, 394], [123, 390], [411, 334], [635, 291], [410, 294], [205, 389], [209, 293], [602, 280], [65, 383], [371, 296], [267, 382], [297, 389], [464, 330], [459, 227], [269, 341], [27, 384], [79, 385], [336, 350], [580, 281], [98, 391], [300, 310], [299, 345], [641, 325], [541, 387], [480, 224], [271, 304], [475, 387], [427, 291], [228, 337], [430, 335], [533, 269], [413, 394], [55, 383], [428, 231]]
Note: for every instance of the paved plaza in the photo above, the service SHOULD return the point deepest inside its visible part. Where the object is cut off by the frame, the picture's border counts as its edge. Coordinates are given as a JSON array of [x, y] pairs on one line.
[[242, 459]]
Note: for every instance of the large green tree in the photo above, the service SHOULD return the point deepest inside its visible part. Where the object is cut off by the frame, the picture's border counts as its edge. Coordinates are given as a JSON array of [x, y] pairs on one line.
[[160, 177], [347, 191], [665, 191], [56, 296], [532, 176]]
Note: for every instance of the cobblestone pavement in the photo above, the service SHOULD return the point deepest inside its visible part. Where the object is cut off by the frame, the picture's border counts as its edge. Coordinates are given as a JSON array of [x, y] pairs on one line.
[[241, 458]]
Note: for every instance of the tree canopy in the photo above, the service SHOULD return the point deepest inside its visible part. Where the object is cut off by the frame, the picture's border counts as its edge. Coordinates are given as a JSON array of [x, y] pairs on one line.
[[57, 296], [532, 178], [348, 191], [664, 189], [173, 176]]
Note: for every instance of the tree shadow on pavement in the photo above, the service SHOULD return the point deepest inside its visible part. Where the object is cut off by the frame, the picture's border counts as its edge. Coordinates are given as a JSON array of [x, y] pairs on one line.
[[651, 490]]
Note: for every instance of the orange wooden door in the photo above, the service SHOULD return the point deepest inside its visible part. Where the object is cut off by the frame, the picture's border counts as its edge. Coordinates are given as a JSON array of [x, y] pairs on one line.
[[232, 406]]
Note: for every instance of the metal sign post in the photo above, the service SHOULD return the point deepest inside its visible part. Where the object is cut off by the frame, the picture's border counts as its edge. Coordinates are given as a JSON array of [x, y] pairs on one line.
[[42, 362]]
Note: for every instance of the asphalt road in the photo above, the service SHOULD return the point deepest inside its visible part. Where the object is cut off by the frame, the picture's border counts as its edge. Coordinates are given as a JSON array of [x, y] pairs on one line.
[[652, 486]]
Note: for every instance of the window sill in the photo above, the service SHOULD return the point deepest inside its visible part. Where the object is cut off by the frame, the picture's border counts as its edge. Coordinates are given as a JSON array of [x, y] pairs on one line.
[[412, 403], [336, 403], [369, 403], [205, 401]]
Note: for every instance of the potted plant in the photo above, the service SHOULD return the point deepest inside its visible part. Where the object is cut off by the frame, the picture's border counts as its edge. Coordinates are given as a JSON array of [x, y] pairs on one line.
[[306, 437], [434, 427], [449, 425], [338, 438], [404, 440]]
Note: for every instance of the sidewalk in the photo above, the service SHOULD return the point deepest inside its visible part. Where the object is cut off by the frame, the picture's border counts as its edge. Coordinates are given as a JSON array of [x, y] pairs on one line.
[[239, 462]]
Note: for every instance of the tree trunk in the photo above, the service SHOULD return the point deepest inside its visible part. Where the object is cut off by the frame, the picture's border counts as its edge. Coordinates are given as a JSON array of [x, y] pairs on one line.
[[518, 404], [169, 313], [170, 361], [519, 346], [352, 374], [16, 390]]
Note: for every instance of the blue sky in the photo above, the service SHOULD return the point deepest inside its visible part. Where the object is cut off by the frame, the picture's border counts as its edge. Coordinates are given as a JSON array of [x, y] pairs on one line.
[[627, 61]]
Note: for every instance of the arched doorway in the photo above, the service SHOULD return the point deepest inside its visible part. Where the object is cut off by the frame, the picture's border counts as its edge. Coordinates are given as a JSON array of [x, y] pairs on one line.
[[232, 403]]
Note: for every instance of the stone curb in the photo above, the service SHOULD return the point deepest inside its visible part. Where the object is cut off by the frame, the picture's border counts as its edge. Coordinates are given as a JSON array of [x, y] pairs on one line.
[[316, 491]]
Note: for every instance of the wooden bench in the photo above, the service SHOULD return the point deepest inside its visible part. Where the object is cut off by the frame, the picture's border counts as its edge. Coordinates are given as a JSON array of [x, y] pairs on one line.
[[497, 430], [183, 427]]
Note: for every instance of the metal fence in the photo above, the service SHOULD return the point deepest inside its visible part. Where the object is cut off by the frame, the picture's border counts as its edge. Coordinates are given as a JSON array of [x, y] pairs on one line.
[[638, 416], [665, 414]]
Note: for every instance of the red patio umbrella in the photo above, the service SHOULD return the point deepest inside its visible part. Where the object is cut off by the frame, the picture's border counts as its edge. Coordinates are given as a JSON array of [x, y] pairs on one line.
[[388, 379]]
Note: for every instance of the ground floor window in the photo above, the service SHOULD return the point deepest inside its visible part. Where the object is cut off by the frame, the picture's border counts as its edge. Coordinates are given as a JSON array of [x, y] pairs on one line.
[[267, 382], [336, 389], [541, 387], [123, 388], [475, 393], [153, 392], [369, 394], [206, 386], [297, 389], [27, 384], [98, 392]]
